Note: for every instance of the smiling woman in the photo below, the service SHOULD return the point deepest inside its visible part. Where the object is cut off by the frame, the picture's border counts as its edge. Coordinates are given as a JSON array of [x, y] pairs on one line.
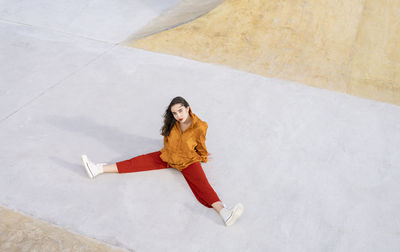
[[184, 148]]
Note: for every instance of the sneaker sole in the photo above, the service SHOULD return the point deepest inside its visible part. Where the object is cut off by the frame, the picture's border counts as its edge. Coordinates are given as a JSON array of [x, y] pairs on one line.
[[236, 215], [85, 162]]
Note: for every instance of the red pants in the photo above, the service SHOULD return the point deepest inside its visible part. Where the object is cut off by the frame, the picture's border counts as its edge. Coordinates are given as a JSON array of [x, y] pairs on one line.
[[193, 174]]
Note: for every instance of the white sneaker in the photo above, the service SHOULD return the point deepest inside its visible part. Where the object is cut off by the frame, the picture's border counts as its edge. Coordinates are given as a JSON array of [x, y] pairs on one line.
[[91, 168], [231, 215]]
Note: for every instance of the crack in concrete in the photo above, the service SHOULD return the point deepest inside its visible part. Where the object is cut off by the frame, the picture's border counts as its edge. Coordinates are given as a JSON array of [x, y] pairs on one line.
[[58, 83], [56, 30]]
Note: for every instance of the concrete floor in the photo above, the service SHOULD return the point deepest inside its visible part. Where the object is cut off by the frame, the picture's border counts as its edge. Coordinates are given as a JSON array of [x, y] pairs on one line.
[[316, 170]]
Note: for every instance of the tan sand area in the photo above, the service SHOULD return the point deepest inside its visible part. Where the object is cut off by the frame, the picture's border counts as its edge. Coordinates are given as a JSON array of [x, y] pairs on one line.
[[20, 232], [350, 46]]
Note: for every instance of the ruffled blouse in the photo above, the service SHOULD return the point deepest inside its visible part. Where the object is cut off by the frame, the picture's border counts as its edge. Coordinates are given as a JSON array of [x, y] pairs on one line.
[[183, 149]]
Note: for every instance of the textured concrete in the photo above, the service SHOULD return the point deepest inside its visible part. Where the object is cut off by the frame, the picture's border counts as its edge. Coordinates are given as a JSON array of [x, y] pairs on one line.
[[347, 46], [30, 54], [94, 19], [21, 233], [183, 12], [316, 170]]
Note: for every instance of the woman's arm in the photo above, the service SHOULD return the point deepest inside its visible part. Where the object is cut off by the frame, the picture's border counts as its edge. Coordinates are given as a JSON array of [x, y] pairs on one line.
[[201, 144]]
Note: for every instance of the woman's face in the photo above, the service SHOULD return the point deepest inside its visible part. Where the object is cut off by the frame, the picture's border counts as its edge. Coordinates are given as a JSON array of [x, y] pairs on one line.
[[181, 114]]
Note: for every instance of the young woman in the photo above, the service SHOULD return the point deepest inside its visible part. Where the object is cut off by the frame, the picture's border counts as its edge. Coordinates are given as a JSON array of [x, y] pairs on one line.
[[184, 148]]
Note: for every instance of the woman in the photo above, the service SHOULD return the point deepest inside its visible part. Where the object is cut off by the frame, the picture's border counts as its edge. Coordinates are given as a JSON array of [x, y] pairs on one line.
[[184, 148]]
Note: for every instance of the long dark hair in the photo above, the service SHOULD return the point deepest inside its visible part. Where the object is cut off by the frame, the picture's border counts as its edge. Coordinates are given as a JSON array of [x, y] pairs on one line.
[[169, 120]]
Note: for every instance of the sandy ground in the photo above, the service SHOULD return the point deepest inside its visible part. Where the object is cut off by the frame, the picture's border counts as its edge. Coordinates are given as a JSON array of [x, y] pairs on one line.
[[22, 233], [346, 46]]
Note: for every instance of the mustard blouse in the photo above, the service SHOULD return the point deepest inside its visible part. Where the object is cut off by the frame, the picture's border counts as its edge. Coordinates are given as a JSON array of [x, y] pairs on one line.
[[183, 149]]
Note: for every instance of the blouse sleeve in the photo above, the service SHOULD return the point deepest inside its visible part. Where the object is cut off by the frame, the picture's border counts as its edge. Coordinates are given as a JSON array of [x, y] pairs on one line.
[[201, 144], [165, 141]]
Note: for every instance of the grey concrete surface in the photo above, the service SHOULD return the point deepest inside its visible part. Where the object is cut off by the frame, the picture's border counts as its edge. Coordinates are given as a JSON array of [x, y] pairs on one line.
[[96, 19], [183, 12], [29, 54], [316, 170]]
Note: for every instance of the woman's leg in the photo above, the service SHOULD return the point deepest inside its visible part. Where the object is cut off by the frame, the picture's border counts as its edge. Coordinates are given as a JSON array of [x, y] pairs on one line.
[[151, 161], [206, 195], [200, 186], [111, 168], [217, 206], [147, 162]]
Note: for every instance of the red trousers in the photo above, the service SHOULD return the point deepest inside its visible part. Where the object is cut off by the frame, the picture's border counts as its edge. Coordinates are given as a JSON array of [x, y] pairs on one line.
[[193, 174]]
